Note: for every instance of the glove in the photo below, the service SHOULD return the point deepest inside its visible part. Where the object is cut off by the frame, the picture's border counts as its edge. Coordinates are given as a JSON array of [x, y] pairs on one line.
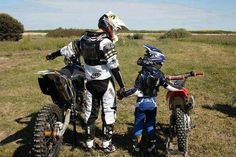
[[121, 93], [50, 56]]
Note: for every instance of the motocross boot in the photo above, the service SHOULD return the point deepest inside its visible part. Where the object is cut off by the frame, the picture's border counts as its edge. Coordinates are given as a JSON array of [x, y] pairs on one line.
[[90, 135], [151, 149], [136, 147], [107, 145]]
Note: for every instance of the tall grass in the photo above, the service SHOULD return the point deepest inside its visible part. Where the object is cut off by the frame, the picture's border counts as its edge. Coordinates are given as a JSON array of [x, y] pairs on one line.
[[214, 39], [31, 43]]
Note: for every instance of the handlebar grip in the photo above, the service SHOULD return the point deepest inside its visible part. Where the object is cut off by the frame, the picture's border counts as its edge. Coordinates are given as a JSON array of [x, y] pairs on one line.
[[186, 75], [199, 73], [178, 77]]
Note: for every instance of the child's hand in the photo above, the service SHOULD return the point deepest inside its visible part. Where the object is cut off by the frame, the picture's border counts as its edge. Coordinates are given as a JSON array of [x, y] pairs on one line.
[[119, 96]]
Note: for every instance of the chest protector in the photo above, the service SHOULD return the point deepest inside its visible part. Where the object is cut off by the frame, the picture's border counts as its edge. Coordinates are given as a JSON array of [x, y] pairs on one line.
[[89, 45], [150, 85]]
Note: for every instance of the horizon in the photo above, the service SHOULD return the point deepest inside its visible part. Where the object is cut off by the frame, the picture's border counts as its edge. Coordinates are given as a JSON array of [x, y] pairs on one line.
[[149, 15], [200, 30]]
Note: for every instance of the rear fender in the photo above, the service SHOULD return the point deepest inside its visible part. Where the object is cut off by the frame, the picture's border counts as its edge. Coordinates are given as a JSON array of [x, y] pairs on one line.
[[46, 85], [177, 98], [63, 86], [56, 86], [177, 101]]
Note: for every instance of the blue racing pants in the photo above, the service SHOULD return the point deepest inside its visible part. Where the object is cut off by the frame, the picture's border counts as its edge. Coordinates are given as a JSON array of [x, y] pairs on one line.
[[145, 116]]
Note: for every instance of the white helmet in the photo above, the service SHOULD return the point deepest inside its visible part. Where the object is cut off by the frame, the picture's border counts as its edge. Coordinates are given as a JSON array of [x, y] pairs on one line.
[[111, 23]]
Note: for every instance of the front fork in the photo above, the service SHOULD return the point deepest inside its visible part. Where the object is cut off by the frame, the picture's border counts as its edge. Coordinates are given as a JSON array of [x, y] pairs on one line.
[[188, 121], [60, 128], [172, 125]]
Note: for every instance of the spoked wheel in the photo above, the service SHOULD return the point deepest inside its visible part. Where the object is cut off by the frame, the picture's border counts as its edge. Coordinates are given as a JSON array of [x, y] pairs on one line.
[[45, 143], [181, 131]]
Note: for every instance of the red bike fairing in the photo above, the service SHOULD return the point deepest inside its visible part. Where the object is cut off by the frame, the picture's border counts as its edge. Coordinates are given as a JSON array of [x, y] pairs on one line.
[[183, 92]]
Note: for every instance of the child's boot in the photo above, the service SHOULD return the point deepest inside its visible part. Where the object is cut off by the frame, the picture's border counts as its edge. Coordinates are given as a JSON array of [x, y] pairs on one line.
[[151, 149], [136, 150]]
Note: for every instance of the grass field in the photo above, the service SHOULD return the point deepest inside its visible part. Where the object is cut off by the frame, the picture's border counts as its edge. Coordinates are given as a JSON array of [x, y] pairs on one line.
[[214, 115]]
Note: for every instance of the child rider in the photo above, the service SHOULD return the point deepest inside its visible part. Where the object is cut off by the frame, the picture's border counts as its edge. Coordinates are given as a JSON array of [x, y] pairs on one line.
[[146, 87]]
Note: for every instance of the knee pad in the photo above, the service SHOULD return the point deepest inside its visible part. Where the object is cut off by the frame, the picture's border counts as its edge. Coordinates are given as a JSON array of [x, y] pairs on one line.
[[151, 131]]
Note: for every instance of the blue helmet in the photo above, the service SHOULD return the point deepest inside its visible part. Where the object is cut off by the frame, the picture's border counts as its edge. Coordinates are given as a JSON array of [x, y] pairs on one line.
[[153, 57], [154, 54]]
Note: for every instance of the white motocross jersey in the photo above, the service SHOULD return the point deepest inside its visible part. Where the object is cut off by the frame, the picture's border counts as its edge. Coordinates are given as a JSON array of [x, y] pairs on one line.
[[96, 72]]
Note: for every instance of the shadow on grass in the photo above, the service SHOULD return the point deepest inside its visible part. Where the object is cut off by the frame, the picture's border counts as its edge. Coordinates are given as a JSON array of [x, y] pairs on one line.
[[23, 136], [68, 139], [162, 131], [224, 108], [124, 141]]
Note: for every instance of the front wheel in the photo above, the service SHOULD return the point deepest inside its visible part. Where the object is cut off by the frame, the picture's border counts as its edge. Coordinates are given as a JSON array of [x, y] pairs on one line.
[[181, 131], [45, 143]]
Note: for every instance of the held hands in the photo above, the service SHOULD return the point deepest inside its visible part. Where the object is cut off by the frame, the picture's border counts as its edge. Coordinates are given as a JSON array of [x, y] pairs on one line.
[[121, 93]]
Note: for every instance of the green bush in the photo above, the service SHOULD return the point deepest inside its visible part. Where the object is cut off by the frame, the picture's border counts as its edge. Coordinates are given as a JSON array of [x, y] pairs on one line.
[[138, 36], [176, 33], [129, 36], [135, 36], [60, 32], [10, 28]]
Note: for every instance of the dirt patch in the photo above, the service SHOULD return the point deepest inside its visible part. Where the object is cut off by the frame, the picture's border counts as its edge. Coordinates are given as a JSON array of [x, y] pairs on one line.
[[34, 34], [6, 63]]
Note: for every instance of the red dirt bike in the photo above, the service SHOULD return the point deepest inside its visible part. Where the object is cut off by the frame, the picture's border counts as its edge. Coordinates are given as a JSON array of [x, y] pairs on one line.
[[180, 104]]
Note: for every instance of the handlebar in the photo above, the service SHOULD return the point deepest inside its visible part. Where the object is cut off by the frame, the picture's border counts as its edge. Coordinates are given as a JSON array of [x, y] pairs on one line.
[[186, 75]]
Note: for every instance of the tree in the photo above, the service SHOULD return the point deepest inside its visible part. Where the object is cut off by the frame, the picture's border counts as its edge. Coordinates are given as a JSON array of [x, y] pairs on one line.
[[10, 28]]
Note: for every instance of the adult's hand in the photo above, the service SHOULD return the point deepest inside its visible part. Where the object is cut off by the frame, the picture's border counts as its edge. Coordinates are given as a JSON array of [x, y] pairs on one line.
[[50, 56], [121, 93]]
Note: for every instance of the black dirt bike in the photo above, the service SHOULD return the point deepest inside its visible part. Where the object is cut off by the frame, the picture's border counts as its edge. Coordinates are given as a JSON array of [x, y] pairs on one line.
[[180, 104], [66, 88]]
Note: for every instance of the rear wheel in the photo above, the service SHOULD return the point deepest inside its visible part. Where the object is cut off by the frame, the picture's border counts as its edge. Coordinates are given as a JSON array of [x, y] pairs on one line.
[[45, 143], [181, 131]]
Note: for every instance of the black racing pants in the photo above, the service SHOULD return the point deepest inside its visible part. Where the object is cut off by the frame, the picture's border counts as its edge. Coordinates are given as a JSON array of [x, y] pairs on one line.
[[100, 93]]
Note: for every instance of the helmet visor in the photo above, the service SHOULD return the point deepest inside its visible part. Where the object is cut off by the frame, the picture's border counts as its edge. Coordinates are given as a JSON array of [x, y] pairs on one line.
[[116, 22]]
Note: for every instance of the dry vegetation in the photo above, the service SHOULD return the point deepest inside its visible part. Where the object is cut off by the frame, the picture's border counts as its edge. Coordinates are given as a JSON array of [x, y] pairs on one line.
[[214, 116]]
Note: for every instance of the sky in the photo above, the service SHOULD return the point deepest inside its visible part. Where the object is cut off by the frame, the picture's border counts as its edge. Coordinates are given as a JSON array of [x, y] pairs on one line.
[[136, 14]]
